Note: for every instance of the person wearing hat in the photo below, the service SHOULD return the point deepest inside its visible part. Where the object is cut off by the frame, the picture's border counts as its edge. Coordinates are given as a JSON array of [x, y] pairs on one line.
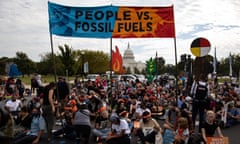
[[120, 133], [148, 129]]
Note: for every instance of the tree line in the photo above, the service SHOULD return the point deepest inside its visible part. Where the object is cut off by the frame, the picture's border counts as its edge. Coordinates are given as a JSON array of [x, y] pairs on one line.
[[70, 62]]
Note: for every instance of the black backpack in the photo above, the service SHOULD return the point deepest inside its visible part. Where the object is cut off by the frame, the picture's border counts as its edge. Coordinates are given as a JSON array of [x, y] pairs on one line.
[[201, 91]]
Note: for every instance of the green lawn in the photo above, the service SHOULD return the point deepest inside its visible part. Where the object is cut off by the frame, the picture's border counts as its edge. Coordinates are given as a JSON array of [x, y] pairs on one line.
[[45, 79]]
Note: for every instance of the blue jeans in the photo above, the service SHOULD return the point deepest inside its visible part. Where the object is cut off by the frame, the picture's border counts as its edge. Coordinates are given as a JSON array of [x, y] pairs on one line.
[[103, 133]]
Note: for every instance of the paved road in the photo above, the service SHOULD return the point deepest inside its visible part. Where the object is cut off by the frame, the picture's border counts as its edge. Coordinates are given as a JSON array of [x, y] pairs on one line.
[[232, 133]]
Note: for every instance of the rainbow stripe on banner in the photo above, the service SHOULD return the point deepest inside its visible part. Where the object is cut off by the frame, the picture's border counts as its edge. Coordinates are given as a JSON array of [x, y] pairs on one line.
[[111, 21]]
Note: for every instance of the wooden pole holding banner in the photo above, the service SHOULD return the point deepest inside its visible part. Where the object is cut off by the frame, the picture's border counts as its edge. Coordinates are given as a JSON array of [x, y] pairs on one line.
[[54, 63]]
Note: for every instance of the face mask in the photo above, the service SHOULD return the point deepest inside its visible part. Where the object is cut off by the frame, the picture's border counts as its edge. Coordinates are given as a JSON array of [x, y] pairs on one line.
[[35, 114], [145, 120]]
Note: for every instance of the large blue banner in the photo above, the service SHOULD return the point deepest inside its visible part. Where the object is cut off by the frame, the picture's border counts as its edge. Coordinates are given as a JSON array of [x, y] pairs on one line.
[[95, 22]]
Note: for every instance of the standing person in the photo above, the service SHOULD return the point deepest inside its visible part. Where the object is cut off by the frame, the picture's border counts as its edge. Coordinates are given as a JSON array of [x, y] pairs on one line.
[[39, 83], [10, 87], [20, 87], [63, 92], [200, 92], [210, 126], [48, 107], [82, 123]]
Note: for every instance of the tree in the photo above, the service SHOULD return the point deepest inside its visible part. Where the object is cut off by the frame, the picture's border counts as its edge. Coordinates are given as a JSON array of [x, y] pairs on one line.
[[67, 58], [136, 70], [98, 62], [46, 65], [3, 62], [160, 63], [224, 65], [24, 64]]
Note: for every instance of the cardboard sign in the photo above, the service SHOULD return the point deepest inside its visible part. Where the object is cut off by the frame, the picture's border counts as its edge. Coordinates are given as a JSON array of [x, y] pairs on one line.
[[217, 140]]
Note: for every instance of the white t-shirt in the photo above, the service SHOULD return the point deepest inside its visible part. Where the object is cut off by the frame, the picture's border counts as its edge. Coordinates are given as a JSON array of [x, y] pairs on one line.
[[13, 105], [122, 126], [140, 111]]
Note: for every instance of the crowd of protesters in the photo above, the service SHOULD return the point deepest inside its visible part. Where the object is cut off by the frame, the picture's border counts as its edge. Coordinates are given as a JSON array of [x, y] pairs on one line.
[[93, 110]]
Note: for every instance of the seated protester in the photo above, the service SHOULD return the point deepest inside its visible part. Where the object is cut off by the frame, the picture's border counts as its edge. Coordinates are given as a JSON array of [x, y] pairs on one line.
[[14, 106], [120, 133], [23, 122], [233, 115], [67, 128], [6, 124], [120, 107], [81, 122], [102, 128], [148, 129], [171, 117], [182, 132], [37, 128], [210, 126], [140, 110], [24, 118]]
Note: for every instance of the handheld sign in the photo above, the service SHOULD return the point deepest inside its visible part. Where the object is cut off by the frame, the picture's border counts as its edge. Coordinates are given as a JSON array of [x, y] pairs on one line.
[[200, 47], [217, 140]]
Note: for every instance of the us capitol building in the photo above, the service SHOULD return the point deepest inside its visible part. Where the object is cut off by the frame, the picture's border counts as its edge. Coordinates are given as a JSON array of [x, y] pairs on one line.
[[129, 61]]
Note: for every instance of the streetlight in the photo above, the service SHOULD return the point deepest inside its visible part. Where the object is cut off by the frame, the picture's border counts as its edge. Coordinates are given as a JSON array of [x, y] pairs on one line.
[[190, 75], [82, 59]]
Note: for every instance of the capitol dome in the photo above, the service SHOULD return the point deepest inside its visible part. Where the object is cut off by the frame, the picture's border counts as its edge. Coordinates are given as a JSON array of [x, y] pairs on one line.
[[128, 54], [129, 60]]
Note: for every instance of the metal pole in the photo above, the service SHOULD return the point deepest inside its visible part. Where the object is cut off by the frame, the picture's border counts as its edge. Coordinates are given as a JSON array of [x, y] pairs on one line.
[[110, 94], [176, 70]]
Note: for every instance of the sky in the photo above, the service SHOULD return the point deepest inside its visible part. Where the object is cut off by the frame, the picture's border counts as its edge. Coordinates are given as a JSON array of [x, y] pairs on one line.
[[24, 28]]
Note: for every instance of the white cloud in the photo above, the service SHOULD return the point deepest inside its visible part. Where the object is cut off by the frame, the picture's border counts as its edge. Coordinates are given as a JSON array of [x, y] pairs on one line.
[[24, 27]]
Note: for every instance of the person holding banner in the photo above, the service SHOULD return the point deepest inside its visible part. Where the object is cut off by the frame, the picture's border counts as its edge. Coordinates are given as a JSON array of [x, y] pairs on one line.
[[210, 126]]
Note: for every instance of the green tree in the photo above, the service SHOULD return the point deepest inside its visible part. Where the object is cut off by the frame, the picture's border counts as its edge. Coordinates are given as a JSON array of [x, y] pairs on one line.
[[67, 58], [98, 61], [128, 71], [224, 66], [3, 62], [25, 65], [136, 70], [160, 65], [46, 65]]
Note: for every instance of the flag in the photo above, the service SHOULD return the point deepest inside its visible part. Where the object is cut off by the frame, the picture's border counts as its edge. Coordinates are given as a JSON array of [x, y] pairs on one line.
[[215, 63], [150, 68], [117, 64], [13, 71], [230, 64]]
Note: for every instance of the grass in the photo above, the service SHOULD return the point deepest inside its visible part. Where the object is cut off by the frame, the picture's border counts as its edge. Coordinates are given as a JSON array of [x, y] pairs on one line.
[[45, 79]]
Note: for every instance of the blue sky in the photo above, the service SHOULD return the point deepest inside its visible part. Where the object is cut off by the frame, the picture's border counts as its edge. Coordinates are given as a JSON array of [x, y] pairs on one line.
[[24, 27]]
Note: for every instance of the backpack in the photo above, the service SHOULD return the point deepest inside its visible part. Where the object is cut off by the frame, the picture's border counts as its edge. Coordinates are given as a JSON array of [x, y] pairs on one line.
[[201, 91]]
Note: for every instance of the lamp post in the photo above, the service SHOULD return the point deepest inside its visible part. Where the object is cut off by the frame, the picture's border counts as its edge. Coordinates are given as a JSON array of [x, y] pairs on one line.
[[82, 59], [190, 77]]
